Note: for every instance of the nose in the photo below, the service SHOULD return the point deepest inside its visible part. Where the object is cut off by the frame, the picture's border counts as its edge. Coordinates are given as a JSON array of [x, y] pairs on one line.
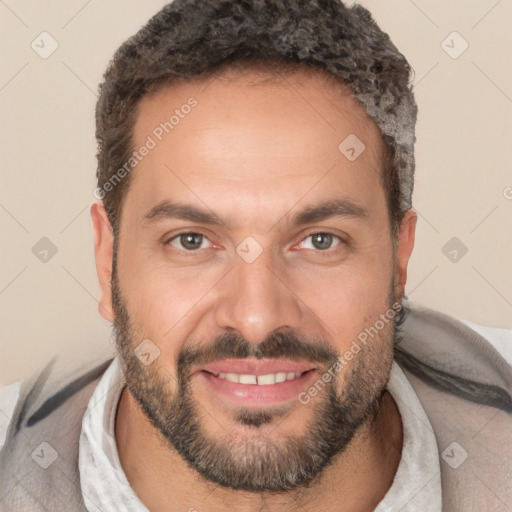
[[256, 299]]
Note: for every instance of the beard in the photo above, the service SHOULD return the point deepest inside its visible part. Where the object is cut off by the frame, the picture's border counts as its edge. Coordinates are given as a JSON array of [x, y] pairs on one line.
[[252, 459]]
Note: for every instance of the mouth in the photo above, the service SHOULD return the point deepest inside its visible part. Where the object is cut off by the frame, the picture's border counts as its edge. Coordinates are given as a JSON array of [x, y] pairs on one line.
[[256, 382]]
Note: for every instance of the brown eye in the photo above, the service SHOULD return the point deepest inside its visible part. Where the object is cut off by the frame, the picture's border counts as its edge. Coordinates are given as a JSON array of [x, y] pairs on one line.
[[188, 241]]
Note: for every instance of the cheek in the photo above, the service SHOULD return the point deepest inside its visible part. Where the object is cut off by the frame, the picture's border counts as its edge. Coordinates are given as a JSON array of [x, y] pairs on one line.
[[164, 302], [348, 298]]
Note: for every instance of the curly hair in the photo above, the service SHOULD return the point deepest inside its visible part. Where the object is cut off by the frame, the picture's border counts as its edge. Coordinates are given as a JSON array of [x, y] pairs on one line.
[[200, 38]]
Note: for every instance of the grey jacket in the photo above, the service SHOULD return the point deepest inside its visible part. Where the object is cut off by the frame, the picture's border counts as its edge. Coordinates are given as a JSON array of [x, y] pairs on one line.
[[463, 383]]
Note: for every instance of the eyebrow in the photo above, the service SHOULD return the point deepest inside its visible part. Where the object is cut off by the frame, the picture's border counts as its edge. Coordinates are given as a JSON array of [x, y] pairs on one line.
[[314, 213]]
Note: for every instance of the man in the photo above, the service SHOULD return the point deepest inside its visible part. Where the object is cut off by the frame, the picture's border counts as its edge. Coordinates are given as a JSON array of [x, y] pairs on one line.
[[252, 236]]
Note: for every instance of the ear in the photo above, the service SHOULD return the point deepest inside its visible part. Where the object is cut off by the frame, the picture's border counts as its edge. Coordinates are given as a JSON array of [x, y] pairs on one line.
[[103, 251], [405, 245]]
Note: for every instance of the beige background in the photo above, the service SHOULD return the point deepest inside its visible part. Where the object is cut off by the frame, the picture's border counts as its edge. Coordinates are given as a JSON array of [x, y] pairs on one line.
[[463, 185]]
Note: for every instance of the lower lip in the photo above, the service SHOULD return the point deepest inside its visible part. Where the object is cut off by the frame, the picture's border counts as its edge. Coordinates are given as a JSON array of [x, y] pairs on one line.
[[248, 395]]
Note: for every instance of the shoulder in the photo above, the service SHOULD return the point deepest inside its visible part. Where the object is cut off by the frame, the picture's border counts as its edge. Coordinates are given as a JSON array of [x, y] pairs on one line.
[[443, 333], [499, 338], [8, 398], [28, 401], [464, 359]]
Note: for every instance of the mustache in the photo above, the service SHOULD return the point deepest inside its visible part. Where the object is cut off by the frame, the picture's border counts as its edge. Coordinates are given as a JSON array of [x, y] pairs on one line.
[[280, 344]]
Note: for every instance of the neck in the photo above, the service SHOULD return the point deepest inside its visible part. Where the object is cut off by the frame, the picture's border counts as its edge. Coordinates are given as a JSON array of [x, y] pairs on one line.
[[356, 481]]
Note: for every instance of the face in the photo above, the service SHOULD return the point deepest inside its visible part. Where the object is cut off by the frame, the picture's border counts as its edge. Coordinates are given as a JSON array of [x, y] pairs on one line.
[[252, 255]]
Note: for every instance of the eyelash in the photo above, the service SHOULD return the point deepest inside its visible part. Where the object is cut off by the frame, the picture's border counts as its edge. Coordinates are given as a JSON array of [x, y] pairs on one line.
[[327, 251]]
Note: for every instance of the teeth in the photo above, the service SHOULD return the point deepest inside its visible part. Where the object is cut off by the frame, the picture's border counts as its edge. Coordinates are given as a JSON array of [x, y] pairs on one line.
[[280, 377], [248, 379], [261, 380], [264, 380]]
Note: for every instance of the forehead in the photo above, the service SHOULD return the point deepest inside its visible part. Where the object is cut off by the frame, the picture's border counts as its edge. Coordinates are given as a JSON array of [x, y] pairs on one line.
[[253, 137], [300, 105]]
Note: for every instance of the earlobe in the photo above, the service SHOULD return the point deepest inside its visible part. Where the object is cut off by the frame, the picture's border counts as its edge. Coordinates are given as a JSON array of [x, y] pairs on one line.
[[103, 251], [405, 247]]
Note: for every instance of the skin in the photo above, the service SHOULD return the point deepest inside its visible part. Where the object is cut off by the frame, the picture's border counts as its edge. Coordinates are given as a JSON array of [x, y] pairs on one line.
[[255, 155]]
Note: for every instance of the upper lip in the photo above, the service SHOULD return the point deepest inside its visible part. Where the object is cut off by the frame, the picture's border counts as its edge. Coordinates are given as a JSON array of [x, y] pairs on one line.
[[256, 366]]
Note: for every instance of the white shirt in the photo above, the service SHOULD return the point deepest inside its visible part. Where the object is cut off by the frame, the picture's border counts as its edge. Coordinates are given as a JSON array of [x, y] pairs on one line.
[[416, 485]]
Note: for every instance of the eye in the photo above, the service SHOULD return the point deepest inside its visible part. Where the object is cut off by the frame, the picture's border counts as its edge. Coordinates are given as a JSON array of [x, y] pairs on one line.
[[322, 241], [189, 241]]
